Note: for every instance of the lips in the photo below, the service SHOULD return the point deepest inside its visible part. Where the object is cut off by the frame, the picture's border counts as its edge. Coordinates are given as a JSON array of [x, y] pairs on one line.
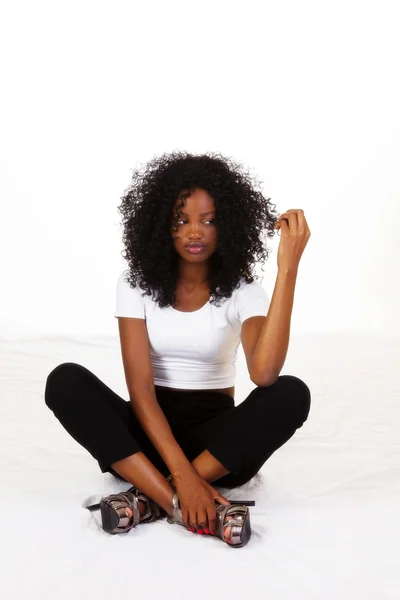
[[195, 246]]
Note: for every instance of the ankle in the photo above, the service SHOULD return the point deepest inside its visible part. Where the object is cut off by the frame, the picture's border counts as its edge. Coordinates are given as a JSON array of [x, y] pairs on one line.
[[169, 507], [142, 507]]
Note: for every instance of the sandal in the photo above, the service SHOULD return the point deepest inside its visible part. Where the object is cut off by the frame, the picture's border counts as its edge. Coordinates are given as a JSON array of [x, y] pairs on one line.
[[120, 512], [239, 522]]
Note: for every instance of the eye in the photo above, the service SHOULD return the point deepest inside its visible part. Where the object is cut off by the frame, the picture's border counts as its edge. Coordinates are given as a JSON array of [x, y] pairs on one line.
[[209, 220]]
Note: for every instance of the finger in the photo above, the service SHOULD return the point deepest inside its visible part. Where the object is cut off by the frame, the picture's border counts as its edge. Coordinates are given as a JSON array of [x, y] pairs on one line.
[[212, 517], [298, 212], [282, 219], [222, 499], [202, 519], [291, 217], [284, 226], [216, 495], [303, 225], [185, 517], [193, 519], [199, 520]]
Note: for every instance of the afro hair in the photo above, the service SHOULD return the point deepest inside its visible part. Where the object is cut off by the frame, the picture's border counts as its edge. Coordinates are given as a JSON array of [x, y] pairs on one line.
[[243, 217]]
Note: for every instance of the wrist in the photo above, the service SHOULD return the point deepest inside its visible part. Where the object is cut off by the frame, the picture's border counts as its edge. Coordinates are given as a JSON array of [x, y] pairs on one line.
[[287, 271], [182, 470]]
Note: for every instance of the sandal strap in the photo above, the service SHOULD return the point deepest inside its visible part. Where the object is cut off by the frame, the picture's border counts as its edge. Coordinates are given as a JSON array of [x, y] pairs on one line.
[[228, 509], [176, 516], [232, 523], [131, 499], [153, 510], [224, 510], [123, 499]]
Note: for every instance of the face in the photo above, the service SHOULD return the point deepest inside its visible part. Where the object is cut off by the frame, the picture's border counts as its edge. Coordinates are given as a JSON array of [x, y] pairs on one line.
[[196, 223]]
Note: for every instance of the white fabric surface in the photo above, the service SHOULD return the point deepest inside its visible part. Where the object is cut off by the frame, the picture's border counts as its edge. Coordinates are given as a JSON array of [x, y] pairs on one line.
[[326, 523]]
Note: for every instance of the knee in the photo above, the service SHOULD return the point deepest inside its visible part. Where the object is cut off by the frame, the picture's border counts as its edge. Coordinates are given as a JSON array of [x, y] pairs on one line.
[[59, 379], [298, 397], [292, 400]]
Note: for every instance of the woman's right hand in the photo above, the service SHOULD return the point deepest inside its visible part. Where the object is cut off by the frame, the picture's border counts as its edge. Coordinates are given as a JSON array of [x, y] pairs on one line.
[[197, 501]]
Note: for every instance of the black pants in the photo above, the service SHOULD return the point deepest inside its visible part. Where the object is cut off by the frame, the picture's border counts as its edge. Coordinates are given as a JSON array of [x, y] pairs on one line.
[[240, 437]]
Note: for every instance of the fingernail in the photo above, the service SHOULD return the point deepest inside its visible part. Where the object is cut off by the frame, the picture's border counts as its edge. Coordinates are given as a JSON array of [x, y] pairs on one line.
[[212, 532], [192, 529], [199, 531], [206, 531]]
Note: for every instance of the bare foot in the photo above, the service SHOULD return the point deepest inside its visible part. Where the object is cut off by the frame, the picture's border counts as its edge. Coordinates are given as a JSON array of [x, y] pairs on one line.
[[227, 531], [126, 513]]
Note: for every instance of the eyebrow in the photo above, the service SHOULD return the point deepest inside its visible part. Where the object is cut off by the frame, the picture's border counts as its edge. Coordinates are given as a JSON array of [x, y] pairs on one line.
[[202, 214]]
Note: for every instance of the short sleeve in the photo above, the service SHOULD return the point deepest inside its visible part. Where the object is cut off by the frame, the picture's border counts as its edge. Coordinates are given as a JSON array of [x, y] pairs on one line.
[[251, 301], [129, 300]]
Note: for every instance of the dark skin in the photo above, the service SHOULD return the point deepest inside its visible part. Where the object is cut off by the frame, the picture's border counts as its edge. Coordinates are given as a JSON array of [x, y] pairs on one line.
[[192, 290]]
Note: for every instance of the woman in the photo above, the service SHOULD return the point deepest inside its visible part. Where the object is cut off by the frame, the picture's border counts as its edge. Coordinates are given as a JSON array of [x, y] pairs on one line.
[[192, 231]]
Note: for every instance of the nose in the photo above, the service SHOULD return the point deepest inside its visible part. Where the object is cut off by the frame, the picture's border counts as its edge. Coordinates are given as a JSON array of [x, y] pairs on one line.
[[194, 233]]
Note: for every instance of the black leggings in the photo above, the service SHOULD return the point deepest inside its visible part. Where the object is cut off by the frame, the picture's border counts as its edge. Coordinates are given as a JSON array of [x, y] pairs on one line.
[[240, 437]]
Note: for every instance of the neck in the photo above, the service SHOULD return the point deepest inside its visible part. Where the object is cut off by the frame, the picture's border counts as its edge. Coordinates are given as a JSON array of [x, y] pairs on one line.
[[193, 275]]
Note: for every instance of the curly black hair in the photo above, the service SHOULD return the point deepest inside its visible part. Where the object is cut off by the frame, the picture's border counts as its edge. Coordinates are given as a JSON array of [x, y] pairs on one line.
[[243, 216]]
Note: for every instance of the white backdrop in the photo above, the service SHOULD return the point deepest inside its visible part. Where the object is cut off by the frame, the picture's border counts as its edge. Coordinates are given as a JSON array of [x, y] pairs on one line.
[[304, 94]]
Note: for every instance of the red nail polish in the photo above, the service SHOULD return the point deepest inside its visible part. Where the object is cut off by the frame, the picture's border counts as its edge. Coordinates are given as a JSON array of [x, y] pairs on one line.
[[192, 529], [199, 531], [206, 531]]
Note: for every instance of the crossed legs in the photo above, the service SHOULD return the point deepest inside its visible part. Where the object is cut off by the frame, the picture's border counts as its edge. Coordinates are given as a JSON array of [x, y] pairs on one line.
[[231, 447], [253, 431]]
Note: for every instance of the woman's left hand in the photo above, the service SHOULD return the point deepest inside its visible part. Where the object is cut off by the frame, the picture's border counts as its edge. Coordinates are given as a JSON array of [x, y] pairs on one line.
[[295, 234]]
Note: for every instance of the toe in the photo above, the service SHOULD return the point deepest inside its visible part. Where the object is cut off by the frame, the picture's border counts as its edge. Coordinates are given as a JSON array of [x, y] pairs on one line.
[[227, 534]]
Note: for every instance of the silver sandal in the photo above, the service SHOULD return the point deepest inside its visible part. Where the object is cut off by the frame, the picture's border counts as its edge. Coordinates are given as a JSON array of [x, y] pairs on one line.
[[120, 512], [239, 523]]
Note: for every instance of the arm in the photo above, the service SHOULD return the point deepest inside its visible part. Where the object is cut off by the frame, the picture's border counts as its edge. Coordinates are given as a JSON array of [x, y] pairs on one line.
[[135, 350], [271, 348], [145, 405], [270, 352]]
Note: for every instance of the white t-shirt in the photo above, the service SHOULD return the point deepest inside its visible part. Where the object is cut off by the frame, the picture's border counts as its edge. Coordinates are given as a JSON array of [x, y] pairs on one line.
[[198, 349]]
